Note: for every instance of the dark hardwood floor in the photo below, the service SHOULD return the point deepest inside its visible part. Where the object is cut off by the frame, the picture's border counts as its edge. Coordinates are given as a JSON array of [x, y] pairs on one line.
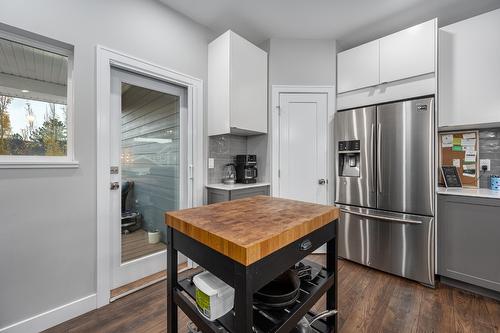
[[370, 301]]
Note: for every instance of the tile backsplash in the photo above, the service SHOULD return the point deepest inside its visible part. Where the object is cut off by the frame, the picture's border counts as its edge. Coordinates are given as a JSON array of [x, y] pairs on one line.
[[489, 148], [223, 148]]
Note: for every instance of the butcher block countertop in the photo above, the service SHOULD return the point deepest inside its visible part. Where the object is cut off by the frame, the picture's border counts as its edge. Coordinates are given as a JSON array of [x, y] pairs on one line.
[[250, 229]]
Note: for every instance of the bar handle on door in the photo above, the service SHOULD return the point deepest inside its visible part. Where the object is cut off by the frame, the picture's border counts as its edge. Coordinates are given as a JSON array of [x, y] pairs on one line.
[[322, 181], [385, 218], [379, 175]]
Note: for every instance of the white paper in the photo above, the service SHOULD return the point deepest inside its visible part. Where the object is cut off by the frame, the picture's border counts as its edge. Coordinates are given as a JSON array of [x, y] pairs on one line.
[[470, 156], [470, 175], [469, 167], [456, 162], [447, 140], [468, 142], [469, 136]]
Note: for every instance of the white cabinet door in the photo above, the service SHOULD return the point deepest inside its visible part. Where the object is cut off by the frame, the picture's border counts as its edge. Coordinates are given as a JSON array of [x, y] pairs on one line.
[[237, 86], [469, 71], [358, 67], [218, 86], [408, 53], [248, 87]]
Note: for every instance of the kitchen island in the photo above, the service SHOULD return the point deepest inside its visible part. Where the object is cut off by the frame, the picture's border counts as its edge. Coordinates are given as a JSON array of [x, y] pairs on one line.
[[247, 243]]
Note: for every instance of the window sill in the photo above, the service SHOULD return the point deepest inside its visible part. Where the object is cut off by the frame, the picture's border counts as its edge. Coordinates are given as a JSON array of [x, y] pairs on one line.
[[40, 165]]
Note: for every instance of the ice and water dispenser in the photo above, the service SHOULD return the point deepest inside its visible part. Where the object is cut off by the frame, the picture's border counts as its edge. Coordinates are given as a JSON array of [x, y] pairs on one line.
[[349, 156]]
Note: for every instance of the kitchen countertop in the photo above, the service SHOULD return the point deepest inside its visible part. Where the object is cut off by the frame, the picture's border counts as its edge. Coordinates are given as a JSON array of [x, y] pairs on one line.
[[237, 186], [250, 229], [469, 192]]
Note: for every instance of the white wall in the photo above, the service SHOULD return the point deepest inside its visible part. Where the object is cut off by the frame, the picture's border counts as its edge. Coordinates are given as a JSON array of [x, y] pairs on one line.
[[293, 62], [48, 217], [469, 72], [302, 61]]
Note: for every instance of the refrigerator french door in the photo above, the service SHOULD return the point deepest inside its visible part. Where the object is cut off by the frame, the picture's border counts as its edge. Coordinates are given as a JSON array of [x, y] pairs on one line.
[[387, 207], [405, 150]]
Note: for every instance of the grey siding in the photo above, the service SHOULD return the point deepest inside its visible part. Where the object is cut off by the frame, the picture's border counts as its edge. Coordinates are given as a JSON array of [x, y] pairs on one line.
[[152, 166]]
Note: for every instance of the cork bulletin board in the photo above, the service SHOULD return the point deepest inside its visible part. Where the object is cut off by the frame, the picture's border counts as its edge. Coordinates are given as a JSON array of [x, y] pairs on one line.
[[460, 149]]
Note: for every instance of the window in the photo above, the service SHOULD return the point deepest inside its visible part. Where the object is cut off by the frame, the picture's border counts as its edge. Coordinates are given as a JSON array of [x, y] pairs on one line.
[[35, 108]]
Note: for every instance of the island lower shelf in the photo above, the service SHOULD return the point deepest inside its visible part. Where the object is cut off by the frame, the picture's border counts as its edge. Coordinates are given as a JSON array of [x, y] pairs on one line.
[[278, 320]]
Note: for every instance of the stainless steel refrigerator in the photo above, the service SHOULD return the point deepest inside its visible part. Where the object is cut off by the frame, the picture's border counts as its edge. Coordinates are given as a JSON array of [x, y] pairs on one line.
[[385, 187]]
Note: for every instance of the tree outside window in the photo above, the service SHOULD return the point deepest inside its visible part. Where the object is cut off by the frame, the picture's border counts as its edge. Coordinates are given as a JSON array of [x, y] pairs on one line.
[[38, 137]]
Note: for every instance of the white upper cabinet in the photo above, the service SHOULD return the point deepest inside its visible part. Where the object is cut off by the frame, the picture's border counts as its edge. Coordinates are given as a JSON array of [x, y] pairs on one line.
[[237, 86], [407, 53], [469, 72], [402, 55], [358, 67]]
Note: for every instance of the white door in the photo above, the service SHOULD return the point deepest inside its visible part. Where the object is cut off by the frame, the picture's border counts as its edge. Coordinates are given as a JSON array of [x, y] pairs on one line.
[[149, 158], [303, 127]]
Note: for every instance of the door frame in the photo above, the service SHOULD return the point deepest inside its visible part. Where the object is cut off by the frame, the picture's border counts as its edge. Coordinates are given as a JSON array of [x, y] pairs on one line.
[[276, 90], [106, 58]]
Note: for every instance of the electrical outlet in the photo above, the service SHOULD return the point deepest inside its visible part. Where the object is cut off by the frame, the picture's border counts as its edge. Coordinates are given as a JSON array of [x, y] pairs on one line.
[[486, 163], [211, 163]]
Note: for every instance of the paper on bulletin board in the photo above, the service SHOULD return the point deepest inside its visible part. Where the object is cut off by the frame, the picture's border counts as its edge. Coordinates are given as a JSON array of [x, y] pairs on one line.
[[456, 162], [469, 166], [469, 136], [468, 142], [470, 156], [469, 170], [447, 141], [457, 141]]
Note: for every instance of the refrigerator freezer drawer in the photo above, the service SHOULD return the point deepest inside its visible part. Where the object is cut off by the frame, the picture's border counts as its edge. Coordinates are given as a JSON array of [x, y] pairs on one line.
[[400, 244]]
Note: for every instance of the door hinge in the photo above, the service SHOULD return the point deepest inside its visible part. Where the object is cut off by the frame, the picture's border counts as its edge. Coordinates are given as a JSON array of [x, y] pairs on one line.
[[279, 173], [279, 110]]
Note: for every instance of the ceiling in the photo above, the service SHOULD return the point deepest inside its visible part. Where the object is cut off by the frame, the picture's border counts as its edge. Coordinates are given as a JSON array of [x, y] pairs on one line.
[[32, 73], [31, 63], [349, 22]]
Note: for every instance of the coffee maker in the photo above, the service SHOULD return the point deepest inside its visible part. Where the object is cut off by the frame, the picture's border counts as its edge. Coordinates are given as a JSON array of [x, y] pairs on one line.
[[246, 169]]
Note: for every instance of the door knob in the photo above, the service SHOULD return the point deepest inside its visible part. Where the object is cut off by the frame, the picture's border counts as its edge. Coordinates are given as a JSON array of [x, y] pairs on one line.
[[114, 185], [322, 181]]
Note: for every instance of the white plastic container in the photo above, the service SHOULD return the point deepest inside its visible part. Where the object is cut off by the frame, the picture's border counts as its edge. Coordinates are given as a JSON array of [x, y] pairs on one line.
[[214, 298], [153, 237]]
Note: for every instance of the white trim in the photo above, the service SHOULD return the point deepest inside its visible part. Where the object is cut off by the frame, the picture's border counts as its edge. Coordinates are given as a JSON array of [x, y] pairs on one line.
[[19, 161], [276, 90], [48, 164], [33, 42], [105, 58], [53, 317], [150, 283]]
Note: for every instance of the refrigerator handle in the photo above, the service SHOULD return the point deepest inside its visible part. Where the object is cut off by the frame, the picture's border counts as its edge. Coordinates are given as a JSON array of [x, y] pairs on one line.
[[379, 178], [374, 172], [385, 218]]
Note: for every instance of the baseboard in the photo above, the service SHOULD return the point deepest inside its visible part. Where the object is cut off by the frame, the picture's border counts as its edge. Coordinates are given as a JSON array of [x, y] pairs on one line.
[[470, 287], [53, 317]]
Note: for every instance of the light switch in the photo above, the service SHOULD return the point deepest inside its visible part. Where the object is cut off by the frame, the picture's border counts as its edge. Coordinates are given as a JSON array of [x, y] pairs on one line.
[[211, 163]]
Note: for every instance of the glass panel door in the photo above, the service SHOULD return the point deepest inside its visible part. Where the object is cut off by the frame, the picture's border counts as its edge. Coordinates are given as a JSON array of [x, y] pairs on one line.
[[147, 154]]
